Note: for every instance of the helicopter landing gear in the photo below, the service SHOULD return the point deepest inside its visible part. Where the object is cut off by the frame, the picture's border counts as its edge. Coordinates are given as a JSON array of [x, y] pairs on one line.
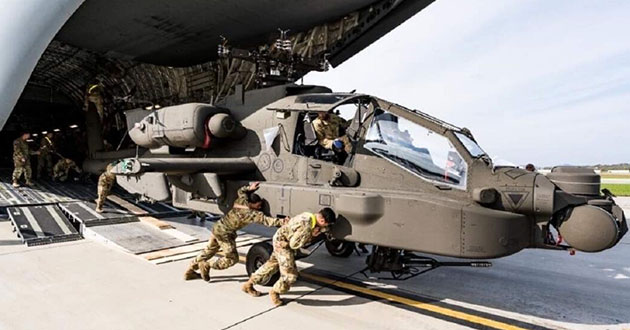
[[403, 265], [339, 248], [257, 255]]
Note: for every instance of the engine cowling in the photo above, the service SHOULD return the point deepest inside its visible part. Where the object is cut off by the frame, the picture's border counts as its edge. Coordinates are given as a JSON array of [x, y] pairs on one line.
[[576, 180], [185, 125]]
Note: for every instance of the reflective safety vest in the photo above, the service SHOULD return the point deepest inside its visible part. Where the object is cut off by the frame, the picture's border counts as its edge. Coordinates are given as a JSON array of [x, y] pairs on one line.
[[313, 220]]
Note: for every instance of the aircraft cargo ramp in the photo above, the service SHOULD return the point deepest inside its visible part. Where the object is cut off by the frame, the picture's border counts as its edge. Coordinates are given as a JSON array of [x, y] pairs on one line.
[[42, 224], [51, 212]]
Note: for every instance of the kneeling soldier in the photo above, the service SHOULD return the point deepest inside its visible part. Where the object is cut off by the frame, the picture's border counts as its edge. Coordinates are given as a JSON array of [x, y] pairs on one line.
[[290, 237], [246, 210], [62, 169]]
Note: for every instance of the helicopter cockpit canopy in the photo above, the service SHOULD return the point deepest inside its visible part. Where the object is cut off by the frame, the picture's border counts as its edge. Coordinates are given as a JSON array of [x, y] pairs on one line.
[[416, 148]]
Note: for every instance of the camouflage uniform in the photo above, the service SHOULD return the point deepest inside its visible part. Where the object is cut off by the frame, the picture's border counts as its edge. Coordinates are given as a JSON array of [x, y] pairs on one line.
[[21, 160], [105, 183], [224, 232], [94, 95], [63, 167], [44, 159], [290, 237], [328, 130]]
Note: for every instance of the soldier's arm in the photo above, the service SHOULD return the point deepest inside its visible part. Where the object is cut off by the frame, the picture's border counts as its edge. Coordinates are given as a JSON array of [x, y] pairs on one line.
[[242, 192], [299, 238], [261, 218]]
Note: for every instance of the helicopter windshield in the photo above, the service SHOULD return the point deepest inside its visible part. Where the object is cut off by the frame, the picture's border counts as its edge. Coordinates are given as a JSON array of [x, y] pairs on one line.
[[416, 148], [473, 148]]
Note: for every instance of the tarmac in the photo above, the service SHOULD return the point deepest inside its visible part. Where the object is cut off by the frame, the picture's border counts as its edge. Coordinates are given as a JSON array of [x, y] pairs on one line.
[[88, 285]]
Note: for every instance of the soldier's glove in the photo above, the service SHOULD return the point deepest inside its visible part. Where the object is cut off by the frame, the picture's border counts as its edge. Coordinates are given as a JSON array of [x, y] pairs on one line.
[[338, 145]]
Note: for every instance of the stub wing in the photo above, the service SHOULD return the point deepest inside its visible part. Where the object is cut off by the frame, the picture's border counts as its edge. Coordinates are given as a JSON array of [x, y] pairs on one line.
[[152, 178]]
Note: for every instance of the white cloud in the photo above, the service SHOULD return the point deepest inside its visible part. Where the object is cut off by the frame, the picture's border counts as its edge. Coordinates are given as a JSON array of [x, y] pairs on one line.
[[537, 81]]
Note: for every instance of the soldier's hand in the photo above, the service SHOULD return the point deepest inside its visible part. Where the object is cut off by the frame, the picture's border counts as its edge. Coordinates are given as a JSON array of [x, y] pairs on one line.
[[315, 232], [286, 220], [23, 160], [254, 186]]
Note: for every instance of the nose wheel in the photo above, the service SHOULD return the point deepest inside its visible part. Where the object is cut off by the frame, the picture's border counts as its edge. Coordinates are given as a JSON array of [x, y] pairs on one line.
[[257, 255], [339, 248]]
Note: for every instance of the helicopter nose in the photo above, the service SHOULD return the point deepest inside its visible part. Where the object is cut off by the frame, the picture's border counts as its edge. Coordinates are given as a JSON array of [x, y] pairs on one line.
[[589, 228]]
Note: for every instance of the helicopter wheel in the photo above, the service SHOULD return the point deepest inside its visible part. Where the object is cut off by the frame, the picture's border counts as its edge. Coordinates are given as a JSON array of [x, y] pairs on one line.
[[339, 248], [257, 255]]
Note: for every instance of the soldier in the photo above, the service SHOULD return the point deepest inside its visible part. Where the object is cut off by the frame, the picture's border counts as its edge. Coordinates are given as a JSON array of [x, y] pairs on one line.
[[44, 160], [62, 169], [246, 210], [94, 95], [105, 182], [530, 167], [22, 160], [290, 237], [327, 126]]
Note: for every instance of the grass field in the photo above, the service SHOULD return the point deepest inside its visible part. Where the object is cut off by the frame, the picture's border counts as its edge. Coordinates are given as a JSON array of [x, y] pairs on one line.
[[618, 189], [615, 176]]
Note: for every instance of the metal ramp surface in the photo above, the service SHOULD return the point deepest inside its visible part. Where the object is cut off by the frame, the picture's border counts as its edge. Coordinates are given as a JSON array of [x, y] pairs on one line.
[[37, 195], [133, 237], [84, 213], [43, 224], [37, 214]]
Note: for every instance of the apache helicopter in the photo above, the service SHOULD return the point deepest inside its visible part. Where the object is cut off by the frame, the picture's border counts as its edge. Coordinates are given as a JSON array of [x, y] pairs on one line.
[[412, 182]]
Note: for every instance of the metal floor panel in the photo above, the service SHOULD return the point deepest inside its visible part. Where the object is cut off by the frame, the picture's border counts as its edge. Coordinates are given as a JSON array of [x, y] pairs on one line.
[[41, 193], [47, 192], [137, 237], [43, 224], [83, 212]]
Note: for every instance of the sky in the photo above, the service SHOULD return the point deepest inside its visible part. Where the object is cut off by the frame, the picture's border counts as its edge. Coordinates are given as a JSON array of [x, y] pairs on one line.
[[536, 81]]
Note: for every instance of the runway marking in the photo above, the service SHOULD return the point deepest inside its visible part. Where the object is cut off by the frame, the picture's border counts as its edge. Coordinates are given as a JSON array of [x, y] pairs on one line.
[[406, 301], [413, 303]]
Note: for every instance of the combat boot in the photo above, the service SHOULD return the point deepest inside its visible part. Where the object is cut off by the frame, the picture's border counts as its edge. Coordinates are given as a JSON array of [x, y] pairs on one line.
[[204, 270], [16, 184], [29, 183], [275, 298], [190, 274], [248, 288]]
